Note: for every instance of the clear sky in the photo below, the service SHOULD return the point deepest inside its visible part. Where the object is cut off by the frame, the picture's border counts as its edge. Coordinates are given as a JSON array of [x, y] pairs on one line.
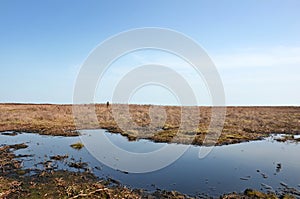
[[255, 45]]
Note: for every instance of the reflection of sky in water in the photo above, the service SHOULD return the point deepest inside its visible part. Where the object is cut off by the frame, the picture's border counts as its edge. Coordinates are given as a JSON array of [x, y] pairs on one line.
[[141, 146], [220, 172], [140, 157]]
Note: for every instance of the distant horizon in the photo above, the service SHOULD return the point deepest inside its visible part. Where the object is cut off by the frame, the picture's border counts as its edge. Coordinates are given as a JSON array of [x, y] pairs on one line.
[[104, 103]]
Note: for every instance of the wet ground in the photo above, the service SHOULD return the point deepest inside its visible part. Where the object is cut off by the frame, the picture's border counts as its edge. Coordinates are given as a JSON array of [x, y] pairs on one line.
[[267, 165]]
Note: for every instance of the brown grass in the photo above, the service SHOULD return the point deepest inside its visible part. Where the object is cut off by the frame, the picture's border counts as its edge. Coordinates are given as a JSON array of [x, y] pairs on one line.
[[241, 123]]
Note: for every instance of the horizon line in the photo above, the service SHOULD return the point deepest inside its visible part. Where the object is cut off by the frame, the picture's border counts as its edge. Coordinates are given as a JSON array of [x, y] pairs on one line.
[[140, 104]]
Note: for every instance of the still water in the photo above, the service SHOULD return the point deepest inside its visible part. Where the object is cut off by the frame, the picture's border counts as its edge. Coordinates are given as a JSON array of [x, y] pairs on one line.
[[263, 165]]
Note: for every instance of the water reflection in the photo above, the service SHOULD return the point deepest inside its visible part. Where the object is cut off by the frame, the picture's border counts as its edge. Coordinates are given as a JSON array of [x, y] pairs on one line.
[[265, 164]]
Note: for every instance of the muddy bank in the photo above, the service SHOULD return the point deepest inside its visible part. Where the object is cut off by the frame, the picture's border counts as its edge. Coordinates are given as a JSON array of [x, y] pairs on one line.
[[62, 184], [15, 182], [241, 123], [48, 183]]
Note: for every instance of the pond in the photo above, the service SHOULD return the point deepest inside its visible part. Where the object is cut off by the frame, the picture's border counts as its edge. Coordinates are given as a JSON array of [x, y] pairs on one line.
[[265, 165]]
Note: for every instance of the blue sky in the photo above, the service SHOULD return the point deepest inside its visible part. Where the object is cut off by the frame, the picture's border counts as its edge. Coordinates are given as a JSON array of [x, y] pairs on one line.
[[255, 45]]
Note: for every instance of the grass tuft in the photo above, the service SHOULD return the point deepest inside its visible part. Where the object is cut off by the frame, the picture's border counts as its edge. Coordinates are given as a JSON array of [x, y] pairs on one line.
[[77, 146]]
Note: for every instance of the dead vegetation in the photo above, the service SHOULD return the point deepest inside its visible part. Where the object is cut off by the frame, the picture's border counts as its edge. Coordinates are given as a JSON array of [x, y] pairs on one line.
[[241, 123], [77, 145]]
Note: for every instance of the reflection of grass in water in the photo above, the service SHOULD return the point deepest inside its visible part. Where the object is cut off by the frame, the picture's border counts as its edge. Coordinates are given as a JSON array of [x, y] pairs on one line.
[[77, 145], [285, 138]]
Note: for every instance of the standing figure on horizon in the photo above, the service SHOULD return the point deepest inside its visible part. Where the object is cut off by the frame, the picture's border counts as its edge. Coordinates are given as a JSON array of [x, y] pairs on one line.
[[107, 104]]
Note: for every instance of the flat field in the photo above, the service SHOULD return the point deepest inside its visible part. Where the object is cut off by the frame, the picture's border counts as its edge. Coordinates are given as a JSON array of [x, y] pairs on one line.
[[241, 123]]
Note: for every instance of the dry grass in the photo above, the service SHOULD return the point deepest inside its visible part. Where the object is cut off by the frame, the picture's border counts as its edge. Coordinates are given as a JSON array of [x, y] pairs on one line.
[[241, 123], [77, 146]]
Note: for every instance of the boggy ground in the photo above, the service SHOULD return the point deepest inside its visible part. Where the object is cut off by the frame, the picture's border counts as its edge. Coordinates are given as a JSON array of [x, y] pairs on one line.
[[241, 123], [64, 184]]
